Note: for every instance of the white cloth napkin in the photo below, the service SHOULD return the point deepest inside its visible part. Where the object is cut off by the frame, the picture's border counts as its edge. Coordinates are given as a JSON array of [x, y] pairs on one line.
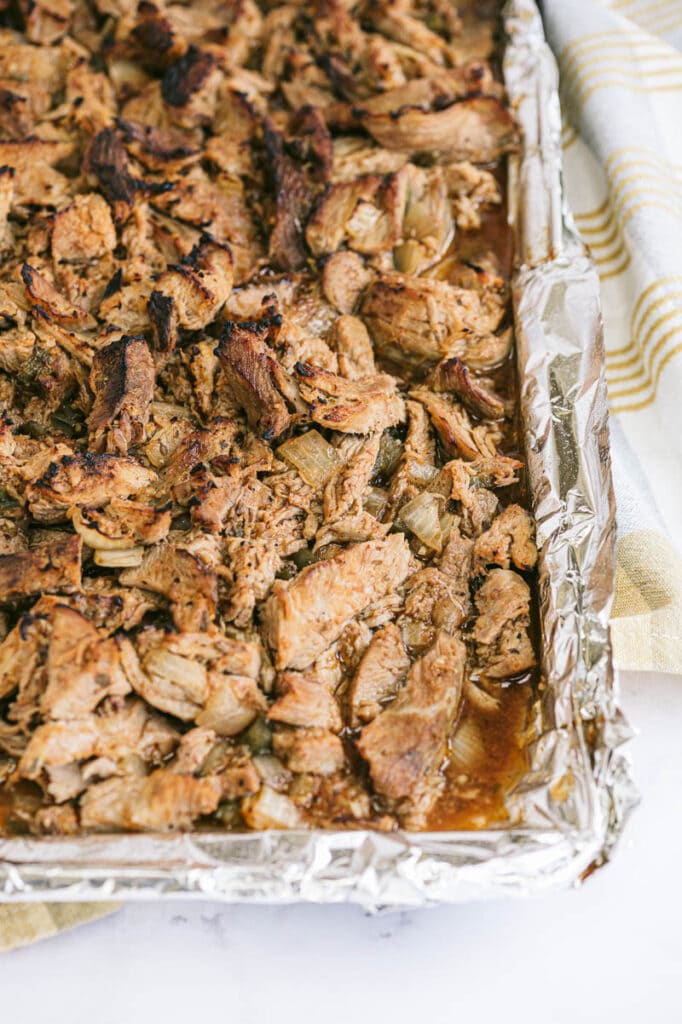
[[621, 91]]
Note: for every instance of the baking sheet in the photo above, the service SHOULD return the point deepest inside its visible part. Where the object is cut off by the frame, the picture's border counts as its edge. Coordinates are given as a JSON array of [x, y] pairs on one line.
[[570, 808]]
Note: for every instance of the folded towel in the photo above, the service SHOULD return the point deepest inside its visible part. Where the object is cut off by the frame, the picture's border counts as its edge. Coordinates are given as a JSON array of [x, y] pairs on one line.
[[621, 91]]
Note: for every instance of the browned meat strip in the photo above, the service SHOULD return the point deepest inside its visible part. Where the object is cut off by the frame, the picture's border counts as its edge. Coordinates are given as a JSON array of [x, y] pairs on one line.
[[82, 667], [344, 279], [86, 479], [509, 541], [379, 675], [453, 375], [406, 744], [501, 631], [162, 800], [458, 434], [418, 320], [361, 406], [260, 385], [302, 619], [479, 129], [180, 576], [316, 751], [49, 568], [122, 380]]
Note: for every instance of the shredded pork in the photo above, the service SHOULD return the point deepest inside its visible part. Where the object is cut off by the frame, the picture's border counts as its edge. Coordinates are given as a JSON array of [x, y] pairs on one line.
[[257, 431]]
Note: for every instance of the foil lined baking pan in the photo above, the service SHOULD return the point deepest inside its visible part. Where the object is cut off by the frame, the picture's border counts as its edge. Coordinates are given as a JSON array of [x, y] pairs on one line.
[[571, 806]]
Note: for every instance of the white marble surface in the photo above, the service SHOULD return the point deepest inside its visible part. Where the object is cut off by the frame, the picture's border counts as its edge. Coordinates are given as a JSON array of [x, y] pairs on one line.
[[611, 951]]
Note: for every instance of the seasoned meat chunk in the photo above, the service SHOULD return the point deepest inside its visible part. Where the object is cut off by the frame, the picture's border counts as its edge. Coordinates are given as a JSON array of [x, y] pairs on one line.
[[361, 406], [198, 286], [82, 667], [479, 129], [162, 800], [83, 232], [453, 375], [182, 578], [509, 541], [48, 568], [89, 479], [304, 617], [316, 751], [344, 279], [259, 384], [405, 745], [417, 320], [501, 631], [122, 381], [458, 434], [379, 675]]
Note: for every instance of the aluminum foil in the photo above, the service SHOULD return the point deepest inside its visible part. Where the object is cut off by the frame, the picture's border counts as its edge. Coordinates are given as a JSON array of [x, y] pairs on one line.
[[571, 806]]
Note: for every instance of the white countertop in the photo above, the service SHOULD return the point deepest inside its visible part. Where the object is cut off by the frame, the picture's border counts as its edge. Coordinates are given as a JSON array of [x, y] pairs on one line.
[[610, 951]]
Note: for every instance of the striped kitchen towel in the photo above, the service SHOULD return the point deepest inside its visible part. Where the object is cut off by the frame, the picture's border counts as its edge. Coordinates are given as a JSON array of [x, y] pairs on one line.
[[621, 88]]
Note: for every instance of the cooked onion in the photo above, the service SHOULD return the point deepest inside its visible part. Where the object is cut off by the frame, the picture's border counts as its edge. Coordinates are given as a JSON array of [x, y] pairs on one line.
[[421, 516], [190, 675], [314, 458], [374, 501], [119, 559], [466, 747], [390, 450]]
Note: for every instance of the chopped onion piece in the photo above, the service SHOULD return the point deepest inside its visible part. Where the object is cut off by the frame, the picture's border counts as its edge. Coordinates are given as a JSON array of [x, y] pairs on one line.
[[390, 450], [190, 675], [421, 516], [127, 558], [314, 458], [374, 501], [466, 747], [421, 472], [480, 698]]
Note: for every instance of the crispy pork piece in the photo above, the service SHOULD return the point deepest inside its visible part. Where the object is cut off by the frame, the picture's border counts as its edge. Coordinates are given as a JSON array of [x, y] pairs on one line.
[[294, 201], [88, 479], [452, 375], [417, 465], [259, 384], [199, 286], [106, 161], [36, 181], [406, 744], [509, 541], [501, 631], [162, 800], [304, 617], [365, 213], [417, 320], [190, 86], [82, 667], [121, 524], [48, 568], [115, 734], [306, 700], [316, 751], [167, 151], [457, 433], [479, 129], [360, 406], [344, 278], [42, 293], [354, 347], [379, 675], [182, 578], [122, 381]]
